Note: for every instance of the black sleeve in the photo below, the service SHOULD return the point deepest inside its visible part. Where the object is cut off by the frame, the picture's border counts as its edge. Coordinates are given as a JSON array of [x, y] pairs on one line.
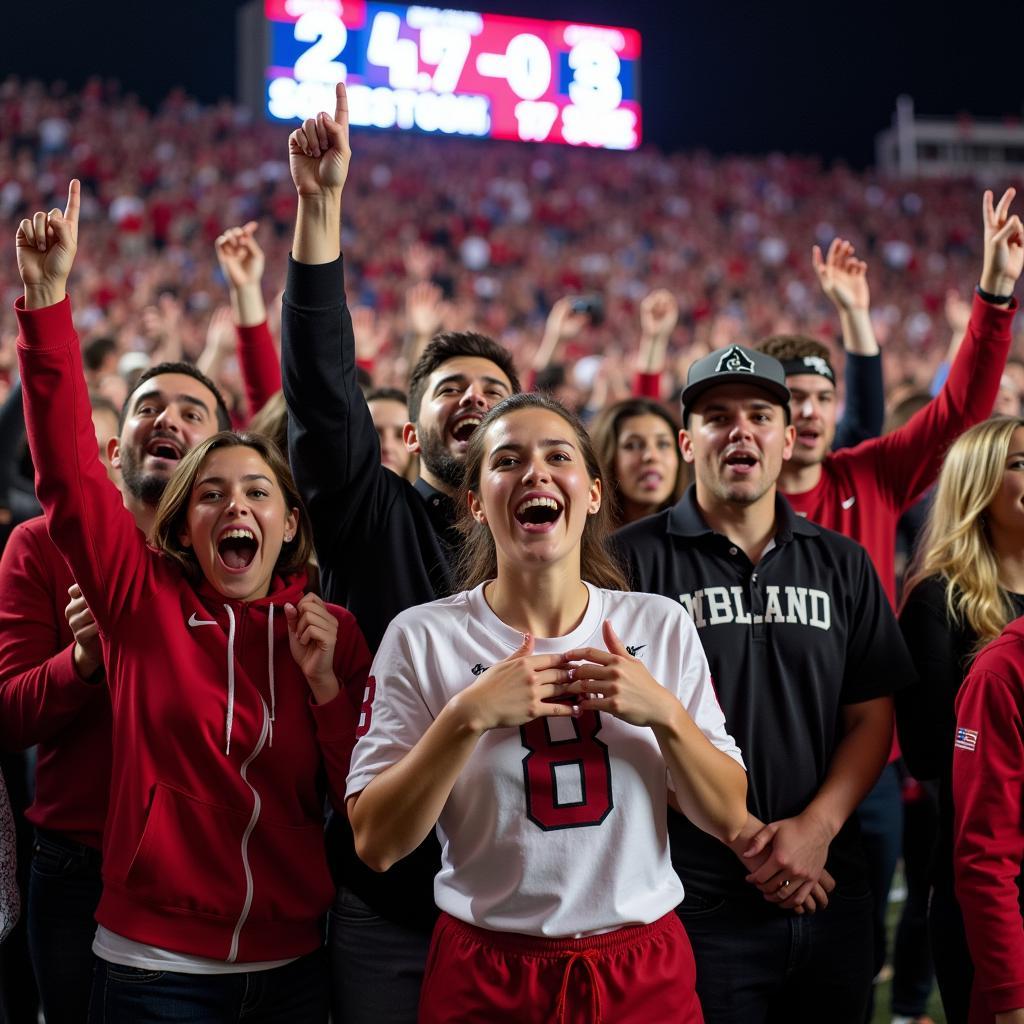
[[332, 443], [925, 715], [16, 493], [877, 661], [865, 401]]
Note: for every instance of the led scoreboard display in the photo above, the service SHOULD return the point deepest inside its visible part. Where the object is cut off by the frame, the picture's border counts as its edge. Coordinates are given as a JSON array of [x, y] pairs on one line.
[[455, 72]]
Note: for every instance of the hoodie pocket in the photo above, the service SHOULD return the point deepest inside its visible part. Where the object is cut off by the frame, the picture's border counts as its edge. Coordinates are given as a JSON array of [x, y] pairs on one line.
[[190, 856], [289, 866]]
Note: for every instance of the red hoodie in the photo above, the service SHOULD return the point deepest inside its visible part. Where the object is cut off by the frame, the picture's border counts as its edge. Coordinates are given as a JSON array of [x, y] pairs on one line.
[[988, 797], [214, 838]]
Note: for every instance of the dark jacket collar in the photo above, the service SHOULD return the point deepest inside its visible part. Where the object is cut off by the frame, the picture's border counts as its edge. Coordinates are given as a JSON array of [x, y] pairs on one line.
[[685, 519]]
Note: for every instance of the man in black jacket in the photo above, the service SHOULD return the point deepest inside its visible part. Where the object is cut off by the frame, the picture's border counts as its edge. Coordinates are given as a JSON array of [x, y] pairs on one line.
[[383, 544]]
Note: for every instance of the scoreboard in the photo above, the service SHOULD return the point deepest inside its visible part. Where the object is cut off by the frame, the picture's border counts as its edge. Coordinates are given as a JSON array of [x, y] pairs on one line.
[[455, 72]]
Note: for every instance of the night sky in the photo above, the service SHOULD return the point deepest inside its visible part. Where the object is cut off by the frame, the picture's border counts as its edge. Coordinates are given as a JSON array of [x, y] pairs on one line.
[[732, 77]]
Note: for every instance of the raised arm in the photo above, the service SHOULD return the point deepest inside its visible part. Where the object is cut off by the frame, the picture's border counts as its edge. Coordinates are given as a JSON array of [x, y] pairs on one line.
[[907, 461], [659, 314], [843, 278], [562, 324], [242, 263], [332, 443], [85, 513]]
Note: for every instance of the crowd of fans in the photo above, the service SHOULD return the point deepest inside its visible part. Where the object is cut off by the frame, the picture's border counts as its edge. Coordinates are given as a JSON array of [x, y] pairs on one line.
[[487, 235], [616, 284]]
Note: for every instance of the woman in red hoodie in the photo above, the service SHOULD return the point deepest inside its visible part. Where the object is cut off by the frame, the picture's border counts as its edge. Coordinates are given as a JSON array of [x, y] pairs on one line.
[[225, 681]]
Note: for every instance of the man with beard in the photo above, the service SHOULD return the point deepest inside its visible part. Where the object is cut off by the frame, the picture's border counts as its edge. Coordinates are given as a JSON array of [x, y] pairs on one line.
[[52, 692], [805, 653], [383, 543]]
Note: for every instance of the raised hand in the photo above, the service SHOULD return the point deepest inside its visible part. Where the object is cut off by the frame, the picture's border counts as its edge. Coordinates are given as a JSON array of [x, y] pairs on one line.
[[240, 256], [659, 314], [371, 333], [46, 246], [515, 691], [312, 636], [616, 682], [424, 309], [87, 655], [1004, 245], [843, 277], [319, 152]]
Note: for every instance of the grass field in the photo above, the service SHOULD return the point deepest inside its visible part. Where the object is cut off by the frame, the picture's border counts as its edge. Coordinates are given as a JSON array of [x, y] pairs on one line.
[[883, 990]]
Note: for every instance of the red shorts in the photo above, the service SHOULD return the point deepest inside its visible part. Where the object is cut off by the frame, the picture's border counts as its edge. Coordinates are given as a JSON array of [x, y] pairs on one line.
[[642, 975]]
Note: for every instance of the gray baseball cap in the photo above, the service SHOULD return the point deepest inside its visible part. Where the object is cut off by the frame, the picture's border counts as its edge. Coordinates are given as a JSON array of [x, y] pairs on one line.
[[736, 365]]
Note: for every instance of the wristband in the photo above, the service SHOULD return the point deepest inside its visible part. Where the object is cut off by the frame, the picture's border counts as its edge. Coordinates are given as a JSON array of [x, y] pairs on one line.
[[996, 300]]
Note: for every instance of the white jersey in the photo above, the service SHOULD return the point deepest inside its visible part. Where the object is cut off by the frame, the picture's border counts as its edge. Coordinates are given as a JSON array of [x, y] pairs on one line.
[[559, 827]]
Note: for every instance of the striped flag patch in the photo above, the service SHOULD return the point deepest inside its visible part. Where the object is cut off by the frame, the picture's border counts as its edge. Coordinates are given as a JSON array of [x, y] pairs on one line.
[[966, 739]]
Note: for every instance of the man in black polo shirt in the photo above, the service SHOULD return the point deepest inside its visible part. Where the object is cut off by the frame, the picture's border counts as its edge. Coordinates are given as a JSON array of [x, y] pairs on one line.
[[805, 653]]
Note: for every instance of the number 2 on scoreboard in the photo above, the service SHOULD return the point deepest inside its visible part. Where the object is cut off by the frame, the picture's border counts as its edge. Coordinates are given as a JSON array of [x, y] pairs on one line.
[[568, 781]]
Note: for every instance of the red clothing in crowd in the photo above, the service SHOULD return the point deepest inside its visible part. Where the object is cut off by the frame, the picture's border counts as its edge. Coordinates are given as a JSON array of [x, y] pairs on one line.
[[214, 840], [863, 491], [43, 700], [988, 796], [260, 365]]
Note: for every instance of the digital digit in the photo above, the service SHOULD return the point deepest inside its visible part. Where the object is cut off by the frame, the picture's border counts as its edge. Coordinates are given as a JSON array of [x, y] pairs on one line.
[[535, 120], [595, 81], [328, 35], [527, 66], [448, 48], [552, 766], [366, 710], [386, 50]]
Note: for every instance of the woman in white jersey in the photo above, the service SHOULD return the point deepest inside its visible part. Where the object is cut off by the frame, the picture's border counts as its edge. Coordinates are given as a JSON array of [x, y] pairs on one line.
[[531, 718]]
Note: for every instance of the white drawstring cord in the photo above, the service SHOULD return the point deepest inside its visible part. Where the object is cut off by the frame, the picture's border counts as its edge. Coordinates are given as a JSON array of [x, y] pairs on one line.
[[231, 677], [270, 671]]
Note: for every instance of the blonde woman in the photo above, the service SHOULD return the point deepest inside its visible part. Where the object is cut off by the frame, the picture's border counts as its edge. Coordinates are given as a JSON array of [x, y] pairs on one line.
[[965, 584]]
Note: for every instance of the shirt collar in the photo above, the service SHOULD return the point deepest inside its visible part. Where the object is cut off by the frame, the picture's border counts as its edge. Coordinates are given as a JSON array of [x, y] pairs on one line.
[[685, 519], [439, 505]]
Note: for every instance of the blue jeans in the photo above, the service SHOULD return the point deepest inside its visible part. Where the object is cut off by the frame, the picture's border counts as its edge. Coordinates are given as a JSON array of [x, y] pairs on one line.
[[296, 993], [63, 890], [765, 966], [376, 966]]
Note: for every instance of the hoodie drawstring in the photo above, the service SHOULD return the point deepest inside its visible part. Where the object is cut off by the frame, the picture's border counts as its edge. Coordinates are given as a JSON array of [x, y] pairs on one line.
[[231, 678], [231, 675], [270, 671]]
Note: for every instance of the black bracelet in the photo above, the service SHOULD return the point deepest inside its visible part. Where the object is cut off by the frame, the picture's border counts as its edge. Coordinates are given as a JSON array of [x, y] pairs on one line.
[[996, 300]]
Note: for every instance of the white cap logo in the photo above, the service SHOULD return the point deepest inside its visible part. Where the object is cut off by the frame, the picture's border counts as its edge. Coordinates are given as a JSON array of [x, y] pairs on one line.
[[735, 360]]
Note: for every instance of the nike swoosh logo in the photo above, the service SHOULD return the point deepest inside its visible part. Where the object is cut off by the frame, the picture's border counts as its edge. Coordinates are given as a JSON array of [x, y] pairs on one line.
[[193, 621], [848, 503], [633, 651]]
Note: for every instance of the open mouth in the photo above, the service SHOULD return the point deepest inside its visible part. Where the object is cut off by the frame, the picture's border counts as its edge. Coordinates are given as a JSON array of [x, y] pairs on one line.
[[164, 448], [741, 461], [237, 548], [651, 480], [808, 436], [463, 430], [538, 514]]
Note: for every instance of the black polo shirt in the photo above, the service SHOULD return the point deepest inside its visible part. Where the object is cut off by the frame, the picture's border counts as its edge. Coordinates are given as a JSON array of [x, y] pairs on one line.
[[789, 641]]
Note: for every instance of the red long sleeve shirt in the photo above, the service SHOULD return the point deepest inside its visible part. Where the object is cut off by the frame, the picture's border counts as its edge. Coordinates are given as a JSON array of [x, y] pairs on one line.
[[988, 797], [43, 701], [863, 491], [260, 365]]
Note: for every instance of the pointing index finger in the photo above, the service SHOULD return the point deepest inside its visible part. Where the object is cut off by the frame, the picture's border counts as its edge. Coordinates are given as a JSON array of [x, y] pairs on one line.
[[74, 203]]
